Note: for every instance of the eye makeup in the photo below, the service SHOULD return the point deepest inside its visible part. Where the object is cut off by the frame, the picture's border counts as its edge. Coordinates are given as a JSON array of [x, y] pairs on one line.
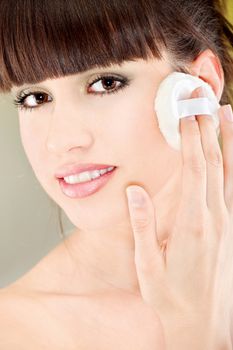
[[121, 81]]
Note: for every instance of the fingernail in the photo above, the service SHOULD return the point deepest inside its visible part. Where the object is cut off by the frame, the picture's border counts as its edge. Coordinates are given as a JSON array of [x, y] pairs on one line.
[[227, 113], [135, 198]]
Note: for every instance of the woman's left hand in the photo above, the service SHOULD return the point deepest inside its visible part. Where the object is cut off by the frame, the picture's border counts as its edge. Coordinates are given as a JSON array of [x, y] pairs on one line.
[[189, 281]]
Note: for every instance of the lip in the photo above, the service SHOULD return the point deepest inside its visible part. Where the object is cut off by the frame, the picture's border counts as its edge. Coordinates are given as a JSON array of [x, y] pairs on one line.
[[74, 169], [85, 189]]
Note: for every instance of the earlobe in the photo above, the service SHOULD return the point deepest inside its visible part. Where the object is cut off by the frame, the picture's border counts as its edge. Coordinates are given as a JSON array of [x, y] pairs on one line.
[[207, 67]]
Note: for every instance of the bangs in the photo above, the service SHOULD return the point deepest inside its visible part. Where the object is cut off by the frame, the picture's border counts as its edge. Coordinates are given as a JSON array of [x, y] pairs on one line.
[[42, 40]]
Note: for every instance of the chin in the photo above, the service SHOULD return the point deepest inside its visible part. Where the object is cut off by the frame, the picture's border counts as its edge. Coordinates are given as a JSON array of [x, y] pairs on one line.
[[104, 214]]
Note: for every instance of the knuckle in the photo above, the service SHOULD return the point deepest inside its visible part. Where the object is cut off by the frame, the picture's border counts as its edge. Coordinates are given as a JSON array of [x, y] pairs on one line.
[[227, 132], [229, 205], [196, 164], [228, 198], [194, 130], [199, 231], [190, 128], [145, 264], [222, 225], [214, 158], [201, 225], [141, 223], [196, 228]]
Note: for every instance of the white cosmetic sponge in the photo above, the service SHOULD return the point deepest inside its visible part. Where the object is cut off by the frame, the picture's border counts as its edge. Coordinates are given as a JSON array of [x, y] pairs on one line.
[[173, 102]]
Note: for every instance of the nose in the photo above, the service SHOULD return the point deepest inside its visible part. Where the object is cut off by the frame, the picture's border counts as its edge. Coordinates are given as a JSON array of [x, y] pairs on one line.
[[67, 131]]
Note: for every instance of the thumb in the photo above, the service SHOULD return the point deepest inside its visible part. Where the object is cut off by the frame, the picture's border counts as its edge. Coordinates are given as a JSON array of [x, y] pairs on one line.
[[148, 255]]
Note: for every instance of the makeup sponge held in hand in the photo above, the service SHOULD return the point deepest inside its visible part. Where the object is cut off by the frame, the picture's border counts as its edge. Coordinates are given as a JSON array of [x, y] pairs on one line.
[[173, 102]]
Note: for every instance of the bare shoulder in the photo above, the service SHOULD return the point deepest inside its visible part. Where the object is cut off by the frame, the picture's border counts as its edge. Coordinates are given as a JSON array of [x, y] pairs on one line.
[[35, 314], [58, 322], [12, 311], [11, 305], [44, 276], [26, 323]]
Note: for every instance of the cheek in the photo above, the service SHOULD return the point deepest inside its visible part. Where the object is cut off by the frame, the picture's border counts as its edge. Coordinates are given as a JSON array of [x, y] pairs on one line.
[[29, 142], [32, 138], [134, 128], [140, 147]]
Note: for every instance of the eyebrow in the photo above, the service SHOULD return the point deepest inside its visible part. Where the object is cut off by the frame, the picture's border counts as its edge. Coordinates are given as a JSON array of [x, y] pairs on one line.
[[15, 90]]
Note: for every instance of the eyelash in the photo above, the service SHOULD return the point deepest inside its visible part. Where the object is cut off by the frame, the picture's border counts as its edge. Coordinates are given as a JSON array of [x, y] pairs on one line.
[[19, 99]]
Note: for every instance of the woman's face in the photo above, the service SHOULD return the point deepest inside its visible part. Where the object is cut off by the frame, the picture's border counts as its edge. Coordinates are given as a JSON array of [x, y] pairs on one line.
[[71, 124]]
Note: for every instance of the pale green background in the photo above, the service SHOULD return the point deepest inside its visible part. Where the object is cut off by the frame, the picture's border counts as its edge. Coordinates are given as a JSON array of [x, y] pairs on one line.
[[28, 217]]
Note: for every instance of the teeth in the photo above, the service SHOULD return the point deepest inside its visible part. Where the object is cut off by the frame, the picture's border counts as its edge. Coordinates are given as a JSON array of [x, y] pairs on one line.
[[86, 176]]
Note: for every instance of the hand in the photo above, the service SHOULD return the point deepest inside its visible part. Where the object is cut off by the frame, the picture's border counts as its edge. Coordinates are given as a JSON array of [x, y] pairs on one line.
[[189, 281]]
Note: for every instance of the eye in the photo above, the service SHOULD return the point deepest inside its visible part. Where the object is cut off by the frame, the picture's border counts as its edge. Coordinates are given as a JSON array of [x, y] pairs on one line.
[[104, 84], [107, 84], [31, 100]]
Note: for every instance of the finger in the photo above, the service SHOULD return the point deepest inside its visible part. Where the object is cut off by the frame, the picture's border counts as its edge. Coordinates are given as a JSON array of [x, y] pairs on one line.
[[226, 129], [214, 162], [193, 195], [148, 257]]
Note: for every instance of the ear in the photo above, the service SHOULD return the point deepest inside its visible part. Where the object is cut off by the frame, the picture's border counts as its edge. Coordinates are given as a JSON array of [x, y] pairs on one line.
[[207, 67]]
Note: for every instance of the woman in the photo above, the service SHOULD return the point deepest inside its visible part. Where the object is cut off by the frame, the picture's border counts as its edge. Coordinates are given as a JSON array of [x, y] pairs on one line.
[[105, 286]]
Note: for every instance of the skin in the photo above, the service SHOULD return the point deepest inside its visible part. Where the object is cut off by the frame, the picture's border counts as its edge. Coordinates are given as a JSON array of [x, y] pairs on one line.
[[81, 127], [100, 254], [72, 128], [189, 281]]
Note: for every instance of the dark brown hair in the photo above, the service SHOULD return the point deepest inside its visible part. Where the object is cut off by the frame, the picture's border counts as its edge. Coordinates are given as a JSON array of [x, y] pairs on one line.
[[50, 39]]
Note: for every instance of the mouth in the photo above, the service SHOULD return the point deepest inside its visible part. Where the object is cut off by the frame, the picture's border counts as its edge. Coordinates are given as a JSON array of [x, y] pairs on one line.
[[86, 188]]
